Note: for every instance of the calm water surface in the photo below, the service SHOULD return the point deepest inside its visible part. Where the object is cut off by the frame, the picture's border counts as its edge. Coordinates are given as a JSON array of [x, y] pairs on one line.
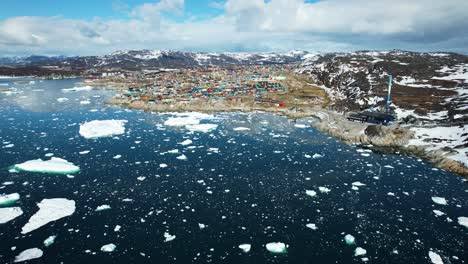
[[252, 189]]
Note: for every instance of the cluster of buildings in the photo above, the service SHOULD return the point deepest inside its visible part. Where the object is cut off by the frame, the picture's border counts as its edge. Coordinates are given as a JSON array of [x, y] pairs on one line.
[[172, 85]]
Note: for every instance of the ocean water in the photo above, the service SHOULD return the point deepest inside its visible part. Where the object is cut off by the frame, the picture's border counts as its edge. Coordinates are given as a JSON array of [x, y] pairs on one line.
[[241, 186]]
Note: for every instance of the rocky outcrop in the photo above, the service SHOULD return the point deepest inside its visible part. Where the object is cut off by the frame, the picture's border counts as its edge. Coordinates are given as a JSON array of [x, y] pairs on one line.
[[392, 136]]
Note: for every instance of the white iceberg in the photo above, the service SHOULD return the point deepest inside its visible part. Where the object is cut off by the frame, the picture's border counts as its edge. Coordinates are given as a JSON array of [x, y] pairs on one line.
[[324, 189], [102, 128], [32, 253], [182, 121], [54, 165], [205, 128], [168, 237], [435, 258], [49, 241], [439, 200], [186, 142], [182, 157], [241, 129], [349, 239], [245, 247], [108, 248], [316, 156], [358, 184], [311, 193], [312, 226], [9, 199], [62, 99], [49, 210], [78, 89], [360, 251], [103, 207], [277, 247], [10, 213], [462, 220]]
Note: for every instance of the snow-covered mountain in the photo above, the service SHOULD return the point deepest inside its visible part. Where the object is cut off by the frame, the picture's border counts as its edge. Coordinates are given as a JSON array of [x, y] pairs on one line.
[[428, 86], [158, 58]]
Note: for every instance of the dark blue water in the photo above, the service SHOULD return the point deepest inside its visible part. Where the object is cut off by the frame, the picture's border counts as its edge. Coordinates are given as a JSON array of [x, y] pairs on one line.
[[252, 191]]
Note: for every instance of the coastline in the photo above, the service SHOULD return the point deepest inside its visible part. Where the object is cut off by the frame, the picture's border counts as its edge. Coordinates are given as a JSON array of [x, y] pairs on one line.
[[392, 139]]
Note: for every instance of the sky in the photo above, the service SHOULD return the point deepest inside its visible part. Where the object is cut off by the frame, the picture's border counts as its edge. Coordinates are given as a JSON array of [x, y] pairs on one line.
[[97, 27]]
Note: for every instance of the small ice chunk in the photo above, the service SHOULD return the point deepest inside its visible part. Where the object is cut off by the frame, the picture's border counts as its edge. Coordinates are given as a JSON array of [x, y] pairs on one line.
[[359, 251], [462, 220], [438, 213], [311, 193], [349, 239], [241, 129], [32, 253], [10, 213], [49, 241], [62, 99], [85, 102], [245, 247], [54, 165], [439, 200], [168, 237], [49, 210], [435, 258], [117, 156], [324, 189], [316, 156], [163, 165], [182, 157], [312, 226], [277, 247], [205, 128], [358, 184], [186, 142], [201, 226], [300, 125], [103, 207], [83, 152], [173, 151], [108, 248], [102, 128], [9, 199], [117, 228]]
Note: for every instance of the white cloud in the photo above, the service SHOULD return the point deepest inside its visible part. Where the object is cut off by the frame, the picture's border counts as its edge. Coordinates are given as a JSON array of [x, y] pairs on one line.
[[251, 25]]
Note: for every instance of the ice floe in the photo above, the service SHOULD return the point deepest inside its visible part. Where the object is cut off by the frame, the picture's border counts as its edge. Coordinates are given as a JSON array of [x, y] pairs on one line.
[[439, 200], [49, 241], [324, 189], [311, 193], [62, 99], [54, 165], [103, 207], [462, 220], [78, 89], [186, 142], [276, 247], [49, 210], [316, 156], [102, 128], [10, 213], [245, 247], [201, 127], [32, 253], [241, 129], [182, 157], [312, 226], [168, 237], [9, 199], [349, 239], [359, 251], [435, 258], [108, 248]]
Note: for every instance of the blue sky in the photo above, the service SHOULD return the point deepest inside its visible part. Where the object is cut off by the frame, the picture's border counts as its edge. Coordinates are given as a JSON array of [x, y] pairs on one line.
[[90, 27]]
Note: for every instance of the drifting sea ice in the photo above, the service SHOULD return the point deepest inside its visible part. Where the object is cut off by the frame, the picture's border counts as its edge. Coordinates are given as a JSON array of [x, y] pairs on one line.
[[435, 258], [439, 200], [312, 226], [359, 251], [186, 142], [10, 213], [168, 237], [78, 89], [32, 253], [245, 247], [49, 210], [462, 220], [277, 247], [102, 128], [311, 193], [182, 157], [9, 199], [316, 156], [349, 239], [241, 129], [62, 99], [49, 241], [103, 207], [54, 165], [108, 248], [205, 128], [324, 189]]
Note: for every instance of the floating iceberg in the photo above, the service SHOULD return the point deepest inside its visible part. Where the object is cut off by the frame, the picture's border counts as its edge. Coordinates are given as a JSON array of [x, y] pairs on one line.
[[168, 237], [49, 241], [186, 142], [54, 165], [49, 210], [102, 128], [182, 121], [359, 251], [10, 213], [78, 89], [316, 156], [300, 125], [358, 184], [324, 189], [108, 248], [182, 157], [311, 193], [32, 253], [462, 220], [277, 247], [62, 99], [241, 129], [435, 258], [9, 199], [349, 239], [103, 207], [205, 128], [439, 200], [312, 226], [245, 247]]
